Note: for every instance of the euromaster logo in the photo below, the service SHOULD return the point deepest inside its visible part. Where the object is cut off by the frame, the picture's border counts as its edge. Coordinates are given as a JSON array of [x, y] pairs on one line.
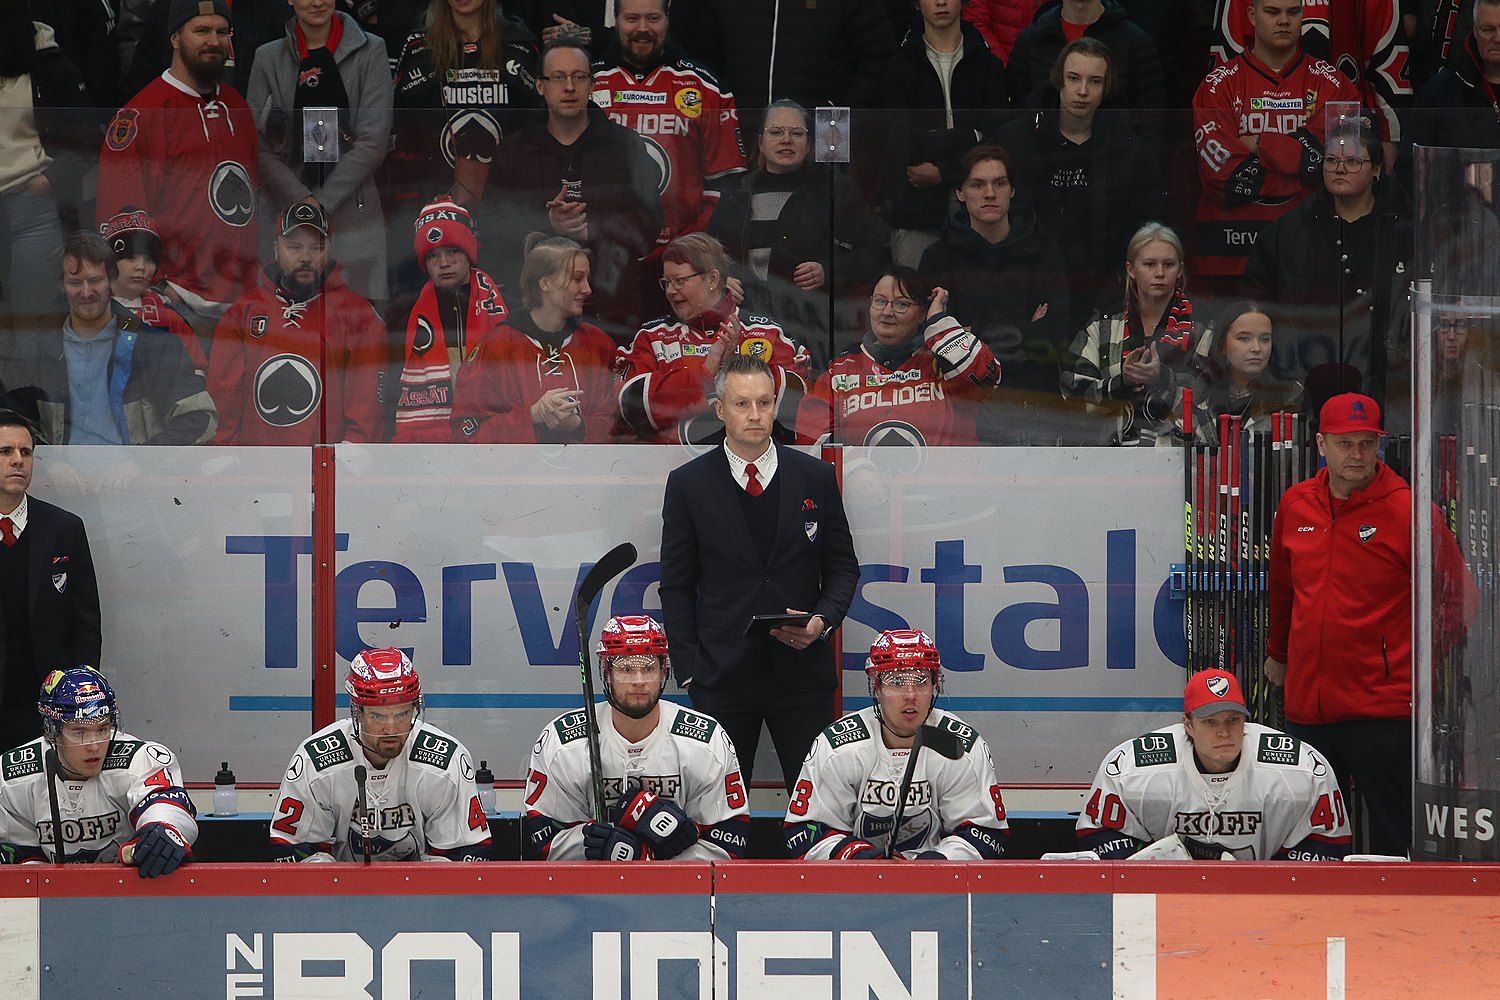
[[1276, 104]]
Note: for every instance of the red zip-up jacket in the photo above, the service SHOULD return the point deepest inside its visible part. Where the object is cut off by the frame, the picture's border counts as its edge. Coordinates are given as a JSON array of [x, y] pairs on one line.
[[1341, 599]]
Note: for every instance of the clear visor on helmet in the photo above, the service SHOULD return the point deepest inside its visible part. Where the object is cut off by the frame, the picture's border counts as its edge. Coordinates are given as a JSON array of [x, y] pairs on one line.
[[910, 677], [386, 720], [641, 665], [86, 732]]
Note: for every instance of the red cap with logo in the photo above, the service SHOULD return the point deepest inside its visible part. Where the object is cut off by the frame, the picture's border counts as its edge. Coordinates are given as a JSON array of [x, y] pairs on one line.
[[1210, 692], [1350, 413]]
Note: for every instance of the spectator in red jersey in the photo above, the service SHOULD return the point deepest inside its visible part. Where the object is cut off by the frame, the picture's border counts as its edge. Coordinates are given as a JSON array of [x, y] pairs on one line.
[[184, 149], [1128, 365], [326, 60], [1259, 122], [456, 308], [669, 368], [913, 380], [544, 376], [132, 236], [297, 360]]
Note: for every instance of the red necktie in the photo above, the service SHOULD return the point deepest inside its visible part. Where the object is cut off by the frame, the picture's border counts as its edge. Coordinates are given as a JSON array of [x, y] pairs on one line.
[[8, 530], [753, 487]]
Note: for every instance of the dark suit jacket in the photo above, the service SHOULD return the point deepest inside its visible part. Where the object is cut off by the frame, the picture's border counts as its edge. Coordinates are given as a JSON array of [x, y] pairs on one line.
[[713, 577], [64, 612]]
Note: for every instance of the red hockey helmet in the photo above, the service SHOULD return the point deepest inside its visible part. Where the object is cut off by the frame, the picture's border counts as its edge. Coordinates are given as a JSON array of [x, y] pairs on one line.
[[631, 635], [382, 677], [900, 650]]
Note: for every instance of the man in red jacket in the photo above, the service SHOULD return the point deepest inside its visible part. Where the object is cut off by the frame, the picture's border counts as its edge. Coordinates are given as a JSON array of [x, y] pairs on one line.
[[1340, 637]]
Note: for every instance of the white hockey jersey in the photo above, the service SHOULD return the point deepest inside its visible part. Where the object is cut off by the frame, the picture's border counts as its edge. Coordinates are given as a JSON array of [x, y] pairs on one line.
[[688, 758], [140, 783], [850, 781], [1281, 801], [422, 806]]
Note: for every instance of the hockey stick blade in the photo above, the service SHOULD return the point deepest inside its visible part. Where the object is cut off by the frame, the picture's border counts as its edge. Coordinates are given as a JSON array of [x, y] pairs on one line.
[[614, 562], [942, 741]]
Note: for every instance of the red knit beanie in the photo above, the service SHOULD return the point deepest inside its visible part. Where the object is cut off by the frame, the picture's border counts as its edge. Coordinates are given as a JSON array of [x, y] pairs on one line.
[[444, 223]]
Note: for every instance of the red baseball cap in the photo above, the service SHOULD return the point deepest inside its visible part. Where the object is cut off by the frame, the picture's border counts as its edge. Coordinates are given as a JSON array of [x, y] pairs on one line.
[[1210, 692], [1350, 413]]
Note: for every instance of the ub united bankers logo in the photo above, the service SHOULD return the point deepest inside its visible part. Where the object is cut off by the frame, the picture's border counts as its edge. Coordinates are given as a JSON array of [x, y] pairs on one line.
[[287, 390], [231, 195]]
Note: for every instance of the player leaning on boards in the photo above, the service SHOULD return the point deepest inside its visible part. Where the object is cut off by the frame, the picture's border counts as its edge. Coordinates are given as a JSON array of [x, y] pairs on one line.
[[113, 796], [845, 802], [671, 773], [382, 784], [1226, 788]]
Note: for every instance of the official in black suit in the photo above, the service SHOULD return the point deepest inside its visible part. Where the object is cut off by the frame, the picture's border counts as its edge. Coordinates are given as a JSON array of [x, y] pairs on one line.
[[735, 545], [49, 599]]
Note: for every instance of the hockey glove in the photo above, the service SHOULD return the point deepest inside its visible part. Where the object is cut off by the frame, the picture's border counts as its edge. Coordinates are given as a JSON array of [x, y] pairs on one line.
[[607, 842], [930, 856], [159, 850], [854, 849], [660, 822]]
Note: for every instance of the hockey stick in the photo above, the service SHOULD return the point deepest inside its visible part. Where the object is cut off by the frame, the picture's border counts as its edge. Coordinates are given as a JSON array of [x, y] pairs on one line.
[[1187, 522], [54, 772], [614, 562], [940, 741], [364, 809]]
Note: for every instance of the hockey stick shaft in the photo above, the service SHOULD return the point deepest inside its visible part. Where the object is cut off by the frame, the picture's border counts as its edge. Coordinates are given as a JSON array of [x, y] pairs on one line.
[[614, 562], [905, 789], [54, 775], [1187, 522], [360, 774]]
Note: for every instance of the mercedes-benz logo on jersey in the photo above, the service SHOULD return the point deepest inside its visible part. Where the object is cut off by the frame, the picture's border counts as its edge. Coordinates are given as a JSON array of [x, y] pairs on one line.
[[663, 164], [471, 134], [231, 195], [287, 390]]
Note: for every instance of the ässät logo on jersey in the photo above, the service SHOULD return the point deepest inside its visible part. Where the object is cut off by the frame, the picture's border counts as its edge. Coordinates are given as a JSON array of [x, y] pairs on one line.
[[287, 390], [894, 433], [689, 101], [662, 161], [123, 129], [472, 134], [231, 195]]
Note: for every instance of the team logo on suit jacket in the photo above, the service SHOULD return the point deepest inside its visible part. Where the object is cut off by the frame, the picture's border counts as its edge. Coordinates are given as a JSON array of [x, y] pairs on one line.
[[811, 527], [60, 581]]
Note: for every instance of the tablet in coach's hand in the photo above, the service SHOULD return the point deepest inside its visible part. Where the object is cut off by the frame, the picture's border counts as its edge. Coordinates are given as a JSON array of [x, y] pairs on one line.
[[763, 624]]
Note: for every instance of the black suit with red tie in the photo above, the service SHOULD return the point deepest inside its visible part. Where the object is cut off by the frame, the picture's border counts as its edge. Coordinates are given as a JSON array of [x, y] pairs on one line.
[[726, 556], [49, 613]]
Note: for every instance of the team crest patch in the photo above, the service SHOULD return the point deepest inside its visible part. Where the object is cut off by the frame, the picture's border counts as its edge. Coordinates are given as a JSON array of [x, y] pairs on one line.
[[123, 129], [849, 729], [1310, 102], [689, 101], [756, 347], [1153, 749], [1366, 532], [433, 750], [258, 326], [694, 726], [964, 732], [60, 582], [287, 389]]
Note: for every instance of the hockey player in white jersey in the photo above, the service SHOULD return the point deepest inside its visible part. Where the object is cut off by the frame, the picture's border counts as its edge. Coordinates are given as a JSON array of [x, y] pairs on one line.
[[844, 803], [1223, 786], [413, 782], [116, 797], [671, 774]]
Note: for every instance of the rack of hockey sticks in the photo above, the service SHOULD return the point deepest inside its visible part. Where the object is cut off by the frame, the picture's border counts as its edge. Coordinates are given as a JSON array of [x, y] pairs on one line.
[[1231, 493]]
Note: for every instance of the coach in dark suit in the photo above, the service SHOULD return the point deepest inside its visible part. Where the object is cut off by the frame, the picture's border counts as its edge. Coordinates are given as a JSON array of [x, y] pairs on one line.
[[751, 529], [49, 599]]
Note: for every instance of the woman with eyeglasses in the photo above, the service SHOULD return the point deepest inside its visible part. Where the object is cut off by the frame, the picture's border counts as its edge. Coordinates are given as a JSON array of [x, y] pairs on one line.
[[1337, 267], [668, 370], [799, 233], [544, 376], [914, 379], [1128, 366], [1237, 379]]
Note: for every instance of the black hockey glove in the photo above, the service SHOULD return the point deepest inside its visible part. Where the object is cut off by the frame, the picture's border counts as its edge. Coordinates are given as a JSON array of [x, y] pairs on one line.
[[660, 822], [607, 842], [159, 850]]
